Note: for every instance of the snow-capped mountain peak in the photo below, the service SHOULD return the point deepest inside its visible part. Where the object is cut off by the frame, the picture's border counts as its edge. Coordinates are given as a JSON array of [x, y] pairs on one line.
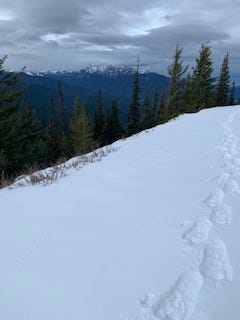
[[110, 69], [107, 70]]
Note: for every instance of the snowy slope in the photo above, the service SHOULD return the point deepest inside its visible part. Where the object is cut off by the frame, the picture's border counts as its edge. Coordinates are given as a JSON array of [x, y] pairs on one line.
[[150, 232]]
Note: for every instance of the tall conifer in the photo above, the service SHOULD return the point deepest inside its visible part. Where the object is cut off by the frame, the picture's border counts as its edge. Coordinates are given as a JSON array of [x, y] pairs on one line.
[[63, 142], [98, 119], [188, 96], [231, 101], [33, 144], [112, 128], [11, 133], [176, 71], [222, 93], [133, 122], [52, 148], [155, 104], [203, 80], [81, 130], [148, 113], [162, 114]]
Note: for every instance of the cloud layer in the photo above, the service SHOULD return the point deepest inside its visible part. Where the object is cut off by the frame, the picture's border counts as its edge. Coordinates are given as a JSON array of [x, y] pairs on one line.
[[62, 34]]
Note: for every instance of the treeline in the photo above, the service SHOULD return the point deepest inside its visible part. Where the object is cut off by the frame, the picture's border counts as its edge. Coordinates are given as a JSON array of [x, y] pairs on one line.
[[25, 144], [188, 92]]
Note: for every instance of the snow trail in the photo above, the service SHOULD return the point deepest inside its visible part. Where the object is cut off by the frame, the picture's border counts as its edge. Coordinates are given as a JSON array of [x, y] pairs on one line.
[[211, 262], [180, 301]]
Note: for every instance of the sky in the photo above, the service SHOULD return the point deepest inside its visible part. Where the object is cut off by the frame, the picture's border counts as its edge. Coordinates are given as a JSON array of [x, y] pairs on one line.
[[69, 34]]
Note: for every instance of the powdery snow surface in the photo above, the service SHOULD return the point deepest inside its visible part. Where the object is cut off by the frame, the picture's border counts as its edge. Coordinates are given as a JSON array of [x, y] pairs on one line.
[[149, 232]]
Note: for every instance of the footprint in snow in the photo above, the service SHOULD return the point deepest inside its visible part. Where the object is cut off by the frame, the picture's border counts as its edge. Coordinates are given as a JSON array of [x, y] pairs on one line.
[[214, 199], [179, 303], [221, 215], [216, 264], [198, 233]]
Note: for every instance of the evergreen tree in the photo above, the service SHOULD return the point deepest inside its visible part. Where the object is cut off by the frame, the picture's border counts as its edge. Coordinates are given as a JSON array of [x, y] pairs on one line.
[[32, 147], [81, 130], [155, 105], [176, 71], [20, 138], [63, 143], [222, 97], [98, 119], [112, 128], [11, 134], [188, 96], [117, 128], [107, 130], [52, 149], [133, 122], [148, 114], [203, 81], [231, 101], [162, 114]]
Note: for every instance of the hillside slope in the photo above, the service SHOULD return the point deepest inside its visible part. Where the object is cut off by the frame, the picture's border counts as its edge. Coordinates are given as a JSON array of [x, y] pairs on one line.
[[159, 216]]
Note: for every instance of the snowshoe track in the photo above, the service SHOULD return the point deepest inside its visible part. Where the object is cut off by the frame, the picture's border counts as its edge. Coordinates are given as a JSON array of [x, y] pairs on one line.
[[212, 262]]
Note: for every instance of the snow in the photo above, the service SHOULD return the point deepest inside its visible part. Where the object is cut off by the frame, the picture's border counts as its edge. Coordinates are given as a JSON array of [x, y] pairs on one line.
[[199, 232], [111, 69], [149, 232], [216, 264], [180, 302], [29, 73], [106, 70]]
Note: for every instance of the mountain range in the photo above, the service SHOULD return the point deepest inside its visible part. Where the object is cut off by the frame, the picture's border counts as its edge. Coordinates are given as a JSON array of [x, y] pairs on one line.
[[115, 82]]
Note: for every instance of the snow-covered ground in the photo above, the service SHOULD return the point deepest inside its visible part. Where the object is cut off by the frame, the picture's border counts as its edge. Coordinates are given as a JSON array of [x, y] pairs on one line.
[[150, 232]]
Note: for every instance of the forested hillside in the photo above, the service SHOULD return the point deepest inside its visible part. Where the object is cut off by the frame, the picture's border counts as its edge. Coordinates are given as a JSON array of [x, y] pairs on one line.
[[50, 117]]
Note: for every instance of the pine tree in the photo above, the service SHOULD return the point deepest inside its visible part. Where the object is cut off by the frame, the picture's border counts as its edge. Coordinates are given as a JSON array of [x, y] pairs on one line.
[[148, 114], [222, 93], [107, 130], [155, 105], [52, 148], [3, 166], [188, 96], [98, 119], [63, 143], [117, 128], [133, 122], [162, 114], [112, 128], [32, 147], [11, 134], [176, 71], [81, 130], [203, 81], [231, 101]]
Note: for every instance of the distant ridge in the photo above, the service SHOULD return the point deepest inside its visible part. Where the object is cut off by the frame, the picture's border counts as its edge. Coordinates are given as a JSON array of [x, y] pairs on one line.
[[115, 82], [108, 70]]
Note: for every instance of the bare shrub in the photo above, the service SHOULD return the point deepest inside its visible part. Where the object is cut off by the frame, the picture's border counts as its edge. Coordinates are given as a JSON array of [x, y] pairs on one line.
[[60, 169]]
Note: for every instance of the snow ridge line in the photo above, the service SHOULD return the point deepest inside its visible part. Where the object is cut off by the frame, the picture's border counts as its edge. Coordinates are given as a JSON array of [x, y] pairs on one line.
[[211, 262]]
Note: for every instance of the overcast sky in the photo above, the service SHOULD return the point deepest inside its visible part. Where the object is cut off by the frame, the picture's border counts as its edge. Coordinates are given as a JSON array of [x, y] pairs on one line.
[[67, 34]]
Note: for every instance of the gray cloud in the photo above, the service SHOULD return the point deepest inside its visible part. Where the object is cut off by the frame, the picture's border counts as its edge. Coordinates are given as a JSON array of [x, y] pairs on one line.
[[67, 34]]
